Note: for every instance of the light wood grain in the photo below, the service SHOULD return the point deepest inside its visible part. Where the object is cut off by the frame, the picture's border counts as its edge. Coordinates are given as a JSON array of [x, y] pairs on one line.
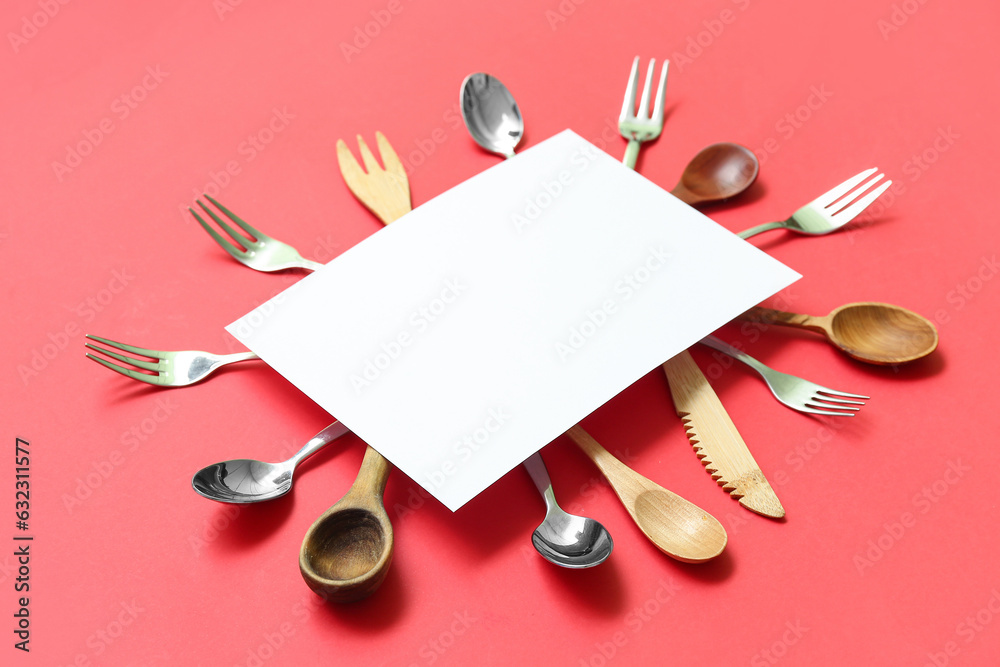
[[679, 528], [876, 333], [715, 439], [386, 192]]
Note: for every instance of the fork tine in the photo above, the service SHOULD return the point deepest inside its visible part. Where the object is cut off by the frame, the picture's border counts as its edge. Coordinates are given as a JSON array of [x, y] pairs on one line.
[[661, 94], [647, 89], [820, 402], [846, 215], [349, 167], [145, 365], [832, 394], [225, 243], [152, 354], [842, 203], [128, 372], [392, 163], [371, 164], [245, 226], [628, 106], [831, 401], [839, 191], [814, 411]]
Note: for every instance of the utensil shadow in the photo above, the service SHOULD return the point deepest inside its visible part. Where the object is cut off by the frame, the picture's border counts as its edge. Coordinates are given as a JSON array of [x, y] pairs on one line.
[[372, 615], [240, 527], [599, 589], [484, 527], [715, 571], [249, 524]]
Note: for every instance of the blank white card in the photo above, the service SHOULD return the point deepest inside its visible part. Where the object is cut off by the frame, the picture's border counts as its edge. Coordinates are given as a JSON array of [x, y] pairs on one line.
[[474, 330]]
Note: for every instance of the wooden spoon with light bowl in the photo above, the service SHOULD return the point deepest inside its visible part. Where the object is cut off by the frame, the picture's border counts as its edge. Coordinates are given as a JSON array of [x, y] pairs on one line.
[[875, 333], [677, 527]]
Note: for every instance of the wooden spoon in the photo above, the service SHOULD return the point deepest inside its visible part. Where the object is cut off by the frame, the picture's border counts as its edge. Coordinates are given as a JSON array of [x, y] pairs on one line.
[[677, 527], [717, 172], [876, 333], [346, 553]]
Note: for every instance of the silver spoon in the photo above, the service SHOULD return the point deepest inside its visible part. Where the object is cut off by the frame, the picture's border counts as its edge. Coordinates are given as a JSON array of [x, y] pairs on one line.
[[491, 114], [566, 539], [248, 481], [494, 120]]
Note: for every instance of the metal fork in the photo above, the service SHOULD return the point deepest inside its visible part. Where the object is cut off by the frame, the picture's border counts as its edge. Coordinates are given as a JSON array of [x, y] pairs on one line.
[[831, 210], [639, 127], [163, 369], [261, 252], [795, 392]]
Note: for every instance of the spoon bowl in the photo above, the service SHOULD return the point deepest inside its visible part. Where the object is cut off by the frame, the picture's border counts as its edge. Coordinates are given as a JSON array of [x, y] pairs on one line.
[[677, 527], [716, 173], [881, 333], [346, 553], [242, 481], [572, 541], [565, 539], [872, 332], [491, 115]]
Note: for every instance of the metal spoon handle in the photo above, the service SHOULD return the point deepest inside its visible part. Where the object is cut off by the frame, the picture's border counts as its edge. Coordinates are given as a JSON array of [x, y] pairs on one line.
[[540, 476], [320, 440]]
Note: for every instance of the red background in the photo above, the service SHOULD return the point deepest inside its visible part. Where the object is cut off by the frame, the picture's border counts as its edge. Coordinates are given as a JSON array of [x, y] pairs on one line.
[[131, 567]]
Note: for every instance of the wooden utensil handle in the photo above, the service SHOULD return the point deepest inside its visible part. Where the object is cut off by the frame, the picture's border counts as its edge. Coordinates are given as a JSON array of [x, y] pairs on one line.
[[602, 458], [780, 317], [371, 479]]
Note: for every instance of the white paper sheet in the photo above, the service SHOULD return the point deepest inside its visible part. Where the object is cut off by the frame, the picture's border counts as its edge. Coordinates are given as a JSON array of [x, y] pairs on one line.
[[474, 330]]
